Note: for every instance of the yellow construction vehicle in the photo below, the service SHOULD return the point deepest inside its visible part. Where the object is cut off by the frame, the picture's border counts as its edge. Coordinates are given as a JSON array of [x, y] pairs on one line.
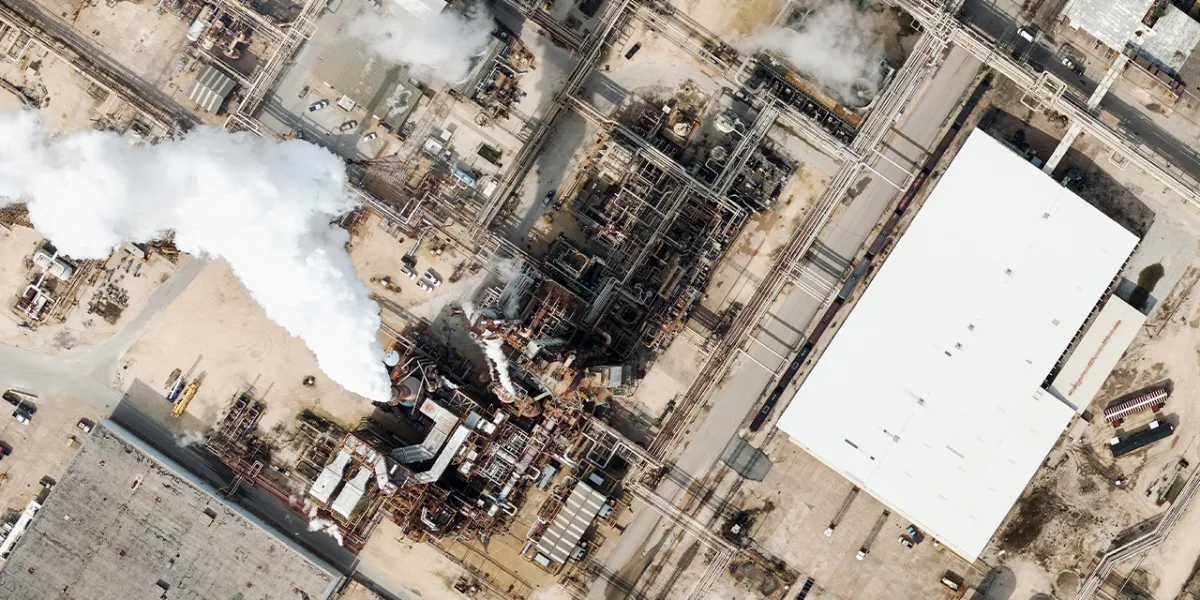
[[188, 393]]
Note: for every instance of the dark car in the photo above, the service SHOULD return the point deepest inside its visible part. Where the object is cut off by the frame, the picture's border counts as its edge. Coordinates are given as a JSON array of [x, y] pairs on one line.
[[633, 50]]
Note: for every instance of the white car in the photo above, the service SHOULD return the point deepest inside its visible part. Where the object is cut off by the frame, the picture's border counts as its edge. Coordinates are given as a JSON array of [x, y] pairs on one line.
[[432, 279], [407, 272], [21, 417], [424, 286], [861, 555]]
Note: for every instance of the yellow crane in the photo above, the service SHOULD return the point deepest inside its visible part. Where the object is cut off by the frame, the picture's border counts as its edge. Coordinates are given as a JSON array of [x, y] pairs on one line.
[[188, 393]]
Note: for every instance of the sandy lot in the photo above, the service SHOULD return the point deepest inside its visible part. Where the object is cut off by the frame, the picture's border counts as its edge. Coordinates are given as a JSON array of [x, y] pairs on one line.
[[377, 252], [123, 275], [216, 328], [428, 574], [40, 448], [732, 18]]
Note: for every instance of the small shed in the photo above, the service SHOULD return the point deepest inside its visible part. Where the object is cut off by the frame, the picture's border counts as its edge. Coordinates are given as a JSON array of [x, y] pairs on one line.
[[211, 89]]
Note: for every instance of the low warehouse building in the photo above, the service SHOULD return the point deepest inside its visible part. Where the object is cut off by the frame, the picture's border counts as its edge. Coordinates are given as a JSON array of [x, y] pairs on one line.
[[930, 395], [126, 523]]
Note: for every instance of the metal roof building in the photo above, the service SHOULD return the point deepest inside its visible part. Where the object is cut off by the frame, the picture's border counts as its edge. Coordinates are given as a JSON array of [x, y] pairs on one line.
[[211, 89], [1171, 41], [569, 525], [126, 523], [1101, 347], [929, 396], [1112, 22]]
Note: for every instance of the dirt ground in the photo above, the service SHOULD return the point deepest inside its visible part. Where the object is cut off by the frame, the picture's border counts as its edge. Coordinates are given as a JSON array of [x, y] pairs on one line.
[[217, 329], [429, 575], [732, 18], [136, 36], [39, 448], [377, 251], [125, 276], [65, 105]]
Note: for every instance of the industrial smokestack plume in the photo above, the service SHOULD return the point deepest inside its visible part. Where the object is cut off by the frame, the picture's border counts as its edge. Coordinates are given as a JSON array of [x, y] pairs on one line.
[[264, 207], [434, 44], [836, 44]]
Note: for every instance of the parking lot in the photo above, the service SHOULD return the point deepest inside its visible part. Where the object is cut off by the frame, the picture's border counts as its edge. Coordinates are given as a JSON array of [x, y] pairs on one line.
[[40, 448], [804, 495]]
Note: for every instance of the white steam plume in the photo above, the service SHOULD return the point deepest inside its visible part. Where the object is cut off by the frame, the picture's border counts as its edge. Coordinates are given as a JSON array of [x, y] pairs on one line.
[[493, 349], [191, 438], [264, 207], [836, 44], [438, 45]]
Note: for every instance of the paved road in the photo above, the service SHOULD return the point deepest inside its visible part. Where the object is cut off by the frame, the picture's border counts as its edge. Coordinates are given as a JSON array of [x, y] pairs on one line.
[[781, 329], [1134, 121]]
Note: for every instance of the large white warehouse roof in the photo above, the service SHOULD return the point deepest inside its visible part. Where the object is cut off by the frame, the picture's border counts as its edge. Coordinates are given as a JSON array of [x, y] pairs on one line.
[[929, 396]]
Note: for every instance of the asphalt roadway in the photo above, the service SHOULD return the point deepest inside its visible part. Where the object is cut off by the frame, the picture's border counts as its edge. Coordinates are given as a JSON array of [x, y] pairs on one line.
[[991, 20], [779, 335]]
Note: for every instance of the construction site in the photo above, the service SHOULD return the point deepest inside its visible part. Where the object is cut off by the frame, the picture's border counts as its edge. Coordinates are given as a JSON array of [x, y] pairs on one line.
[[614, 257]]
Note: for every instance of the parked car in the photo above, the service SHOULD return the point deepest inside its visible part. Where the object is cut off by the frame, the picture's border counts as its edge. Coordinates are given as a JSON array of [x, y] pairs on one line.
[[318, 105], [424, 286], [16, 397], [303, 91], [915, 534], [1026, 34], [861, 555], [906, 542], [5, 449], [348, 125], [85, 425], [432, 279], [633, 50], [370, 136], [407, 272], [21, 417], [1068, 63]]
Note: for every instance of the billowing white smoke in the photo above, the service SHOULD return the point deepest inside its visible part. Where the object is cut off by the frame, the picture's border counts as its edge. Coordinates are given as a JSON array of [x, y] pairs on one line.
[[438, 45], [493, 349], [264, 207], [325, 526], [837, 44], [191, 438]]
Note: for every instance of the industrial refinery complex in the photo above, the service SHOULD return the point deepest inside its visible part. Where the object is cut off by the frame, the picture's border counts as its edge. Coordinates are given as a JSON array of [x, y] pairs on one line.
[[645, 299]]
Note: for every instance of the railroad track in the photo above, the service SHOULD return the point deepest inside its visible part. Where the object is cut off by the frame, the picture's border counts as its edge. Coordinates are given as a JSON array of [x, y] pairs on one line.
[[1158, 535]]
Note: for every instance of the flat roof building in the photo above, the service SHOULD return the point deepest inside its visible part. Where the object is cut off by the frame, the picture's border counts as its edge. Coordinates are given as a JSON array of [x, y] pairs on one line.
[[930, 394], [125, 522], [1097, 353], [1112, 22], [1171, 41]]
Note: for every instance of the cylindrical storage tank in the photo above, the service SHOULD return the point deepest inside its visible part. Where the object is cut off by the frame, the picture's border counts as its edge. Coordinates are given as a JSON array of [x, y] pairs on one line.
[[406, 393], [391, 358]]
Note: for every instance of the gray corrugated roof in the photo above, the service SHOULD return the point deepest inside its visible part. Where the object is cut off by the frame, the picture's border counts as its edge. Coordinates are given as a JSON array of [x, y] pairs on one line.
[[576, 516], [211, 88]]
